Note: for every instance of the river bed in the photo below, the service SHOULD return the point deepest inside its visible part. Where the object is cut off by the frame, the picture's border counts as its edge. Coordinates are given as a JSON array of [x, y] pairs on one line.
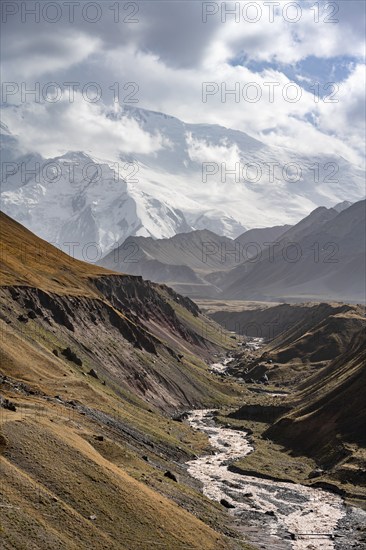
[[308, 515], [281, 514]]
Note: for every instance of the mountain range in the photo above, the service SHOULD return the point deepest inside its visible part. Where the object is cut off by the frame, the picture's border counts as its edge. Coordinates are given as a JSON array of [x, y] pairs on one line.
[[97, 372], [321, 257], [197, 177], [94, 366], [187, 261]]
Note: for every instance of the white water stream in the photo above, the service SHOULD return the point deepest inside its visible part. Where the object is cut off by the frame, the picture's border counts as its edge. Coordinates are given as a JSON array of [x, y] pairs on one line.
[[310, 515], [254, 343], [219, 368]]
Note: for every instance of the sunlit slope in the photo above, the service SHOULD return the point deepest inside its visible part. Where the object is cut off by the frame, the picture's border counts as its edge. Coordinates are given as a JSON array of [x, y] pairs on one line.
[[58, 491], [95, 365], [141, 336], [30, 261]]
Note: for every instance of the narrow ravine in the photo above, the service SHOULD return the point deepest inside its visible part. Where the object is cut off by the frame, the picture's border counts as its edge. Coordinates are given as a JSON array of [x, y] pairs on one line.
[[295, 516]]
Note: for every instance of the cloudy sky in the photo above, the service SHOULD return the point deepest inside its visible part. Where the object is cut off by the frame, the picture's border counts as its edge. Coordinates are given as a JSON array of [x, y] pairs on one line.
[[297, 70]]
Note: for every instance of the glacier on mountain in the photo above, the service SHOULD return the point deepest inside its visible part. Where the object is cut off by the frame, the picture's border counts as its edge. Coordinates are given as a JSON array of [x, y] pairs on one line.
[[203, 176]]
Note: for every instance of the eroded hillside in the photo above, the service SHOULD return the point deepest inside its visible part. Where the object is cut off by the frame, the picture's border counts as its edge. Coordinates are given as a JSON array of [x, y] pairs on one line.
[[93, 367], [307, 383]]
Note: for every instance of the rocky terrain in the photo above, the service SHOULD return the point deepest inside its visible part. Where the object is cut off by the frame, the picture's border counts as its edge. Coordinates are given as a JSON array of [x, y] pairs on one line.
[[103, 377], [281, 513], [306, 382]]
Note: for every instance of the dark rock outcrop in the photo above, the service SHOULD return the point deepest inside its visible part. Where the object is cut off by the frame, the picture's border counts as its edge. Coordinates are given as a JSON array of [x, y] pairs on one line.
[[227, 504], [171, 476], [71, 356]]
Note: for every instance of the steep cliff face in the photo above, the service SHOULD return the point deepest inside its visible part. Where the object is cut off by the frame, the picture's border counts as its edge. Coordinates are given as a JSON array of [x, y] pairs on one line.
[[130, 332], [133, 339], [144, 301], [70, 312]]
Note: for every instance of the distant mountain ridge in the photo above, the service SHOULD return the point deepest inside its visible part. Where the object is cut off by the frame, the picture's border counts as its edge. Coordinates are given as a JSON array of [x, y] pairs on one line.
[[185, 260], [321, 257], [259, 236], [196, 177]]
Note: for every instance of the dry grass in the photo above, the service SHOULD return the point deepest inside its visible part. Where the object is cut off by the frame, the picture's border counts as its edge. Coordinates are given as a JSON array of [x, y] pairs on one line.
[[55, 475], [27, 260], [54, 480], [49, 452]]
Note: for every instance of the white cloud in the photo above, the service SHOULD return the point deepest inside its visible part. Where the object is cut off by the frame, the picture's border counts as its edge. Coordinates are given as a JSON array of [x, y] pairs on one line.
[[200, 151], [54, 129], [170, 53], [281, 122], [346, 118]]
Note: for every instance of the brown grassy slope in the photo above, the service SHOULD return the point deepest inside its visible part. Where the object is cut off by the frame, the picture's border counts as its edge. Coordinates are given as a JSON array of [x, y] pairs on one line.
[[320, 338], [132, 332], [306, 338], [28, 260], [59, 492], [327, 420], [54, 473], [131, 429], [331, 409]]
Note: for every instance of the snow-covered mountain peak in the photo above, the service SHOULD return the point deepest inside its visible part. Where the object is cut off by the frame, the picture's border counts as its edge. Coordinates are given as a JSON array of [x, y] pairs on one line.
[[197, 176]]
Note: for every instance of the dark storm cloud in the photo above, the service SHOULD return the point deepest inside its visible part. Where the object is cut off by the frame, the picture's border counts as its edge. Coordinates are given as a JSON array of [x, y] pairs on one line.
[[172, 30], [175, 31]]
